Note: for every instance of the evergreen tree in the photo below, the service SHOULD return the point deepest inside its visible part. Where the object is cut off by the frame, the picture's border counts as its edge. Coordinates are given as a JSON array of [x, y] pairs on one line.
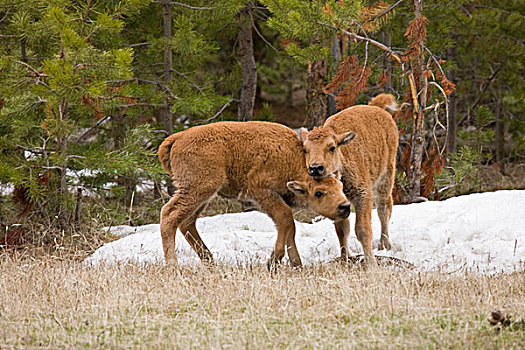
[[56, 70]]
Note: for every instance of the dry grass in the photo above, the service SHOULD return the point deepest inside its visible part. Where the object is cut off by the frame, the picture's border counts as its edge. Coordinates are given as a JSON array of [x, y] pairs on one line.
[[49, 303]]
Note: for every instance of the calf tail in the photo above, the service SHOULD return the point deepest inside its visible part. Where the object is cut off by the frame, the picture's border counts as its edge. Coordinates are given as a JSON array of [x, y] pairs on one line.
[[386, 101], [164, 153]]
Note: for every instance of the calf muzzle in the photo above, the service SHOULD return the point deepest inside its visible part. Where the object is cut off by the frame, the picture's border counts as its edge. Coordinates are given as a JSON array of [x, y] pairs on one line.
[[344, 209], [316, 170]]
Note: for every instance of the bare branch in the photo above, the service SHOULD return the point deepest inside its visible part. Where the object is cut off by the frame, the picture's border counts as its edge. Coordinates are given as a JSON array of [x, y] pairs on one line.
[[30, 68], [199, 122], [433, 57], [37, 73], [498, 9], [384, 12], [35, 150], [480, 95], [140, 104], [100, 122], [413, 91], [188, 80], [5, 16], [153, 82], [137, 44], [52, 167], [261, 36], [393, 54], [446, 114], [184, 5], [371, 41], [366, 61]]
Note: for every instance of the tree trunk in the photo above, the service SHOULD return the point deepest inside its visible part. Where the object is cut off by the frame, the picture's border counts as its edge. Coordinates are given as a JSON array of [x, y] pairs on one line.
[[119, 132], [62, 144], [248, 67], [23, 50], [418, 135], [500, 132], [387, 61], [336, 54], [453, 104], [165, 111], [316, 101]]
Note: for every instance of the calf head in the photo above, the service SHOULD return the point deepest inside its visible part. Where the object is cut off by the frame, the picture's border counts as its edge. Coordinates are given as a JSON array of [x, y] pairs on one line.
[[325, 196], [322, 151]]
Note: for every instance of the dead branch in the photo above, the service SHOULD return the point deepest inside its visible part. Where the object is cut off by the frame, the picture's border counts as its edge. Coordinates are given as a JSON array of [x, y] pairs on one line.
[[261, 36], [413, 91], [174, 3], [199, 122], [446, 112], [37, 73], [434, 58], [154, 105], [137, 80], [100, 122], [384, 12], [480, 95], [385, 48]]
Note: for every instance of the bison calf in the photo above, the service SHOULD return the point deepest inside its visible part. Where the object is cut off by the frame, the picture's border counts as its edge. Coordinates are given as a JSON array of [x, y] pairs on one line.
[[359, 146], [257, 161]]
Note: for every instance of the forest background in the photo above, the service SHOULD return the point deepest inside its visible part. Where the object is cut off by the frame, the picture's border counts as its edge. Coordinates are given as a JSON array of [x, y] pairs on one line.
[[89, 89]]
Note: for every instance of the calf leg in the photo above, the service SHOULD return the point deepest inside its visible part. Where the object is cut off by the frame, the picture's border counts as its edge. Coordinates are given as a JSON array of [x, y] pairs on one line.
[[169, 219], [363, 227], [384, 206], [189, 230], [273, 205], [180, 210], [384, 210], [342, 228]]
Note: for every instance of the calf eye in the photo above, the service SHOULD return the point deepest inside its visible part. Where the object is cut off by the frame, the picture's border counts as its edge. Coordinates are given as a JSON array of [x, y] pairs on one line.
[[304, 150], [318, 194], [332, 149]]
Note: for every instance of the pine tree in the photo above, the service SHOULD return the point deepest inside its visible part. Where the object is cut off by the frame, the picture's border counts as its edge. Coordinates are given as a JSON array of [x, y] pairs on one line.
[[56, 71]]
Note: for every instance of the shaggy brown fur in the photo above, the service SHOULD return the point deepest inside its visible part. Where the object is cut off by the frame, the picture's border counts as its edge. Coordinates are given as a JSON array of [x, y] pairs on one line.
[[257, 161], [386, 101], [365, 165]]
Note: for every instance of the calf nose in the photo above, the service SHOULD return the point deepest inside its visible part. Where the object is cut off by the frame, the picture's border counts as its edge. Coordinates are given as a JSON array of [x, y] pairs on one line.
[[316, 170], [344, 209]]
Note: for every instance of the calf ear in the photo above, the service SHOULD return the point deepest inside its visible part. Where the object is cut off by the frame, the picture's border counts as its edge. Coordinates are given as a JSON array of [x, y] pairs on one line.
[[302, 134], [297, 187], [344, 139]]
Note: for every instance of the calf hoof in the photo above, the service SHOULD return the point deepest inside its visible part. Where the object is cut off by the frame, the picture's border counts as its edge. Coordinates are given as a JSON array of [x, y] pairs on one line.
[[296, 263], [275, 259], [384, 243], [272, 265], [370, 263], [208, 262], [171, 262]]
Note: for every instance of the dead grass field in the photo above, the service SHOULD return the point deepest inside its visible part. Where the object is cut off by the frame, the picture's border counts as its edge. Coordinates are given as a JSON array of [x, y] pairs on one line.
[[55, 303]]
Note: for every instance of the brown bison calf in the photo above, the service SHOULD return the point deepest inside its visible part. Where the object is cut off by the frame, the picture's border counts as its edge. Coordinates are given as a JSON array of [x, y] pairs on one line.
[[359, 146], [257, 161]]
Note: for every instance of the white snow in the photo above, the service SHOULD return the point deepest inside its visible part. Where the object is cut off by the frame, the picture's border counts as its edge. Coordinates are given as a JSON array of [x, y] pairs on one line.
[[6, 189], [483, 232]]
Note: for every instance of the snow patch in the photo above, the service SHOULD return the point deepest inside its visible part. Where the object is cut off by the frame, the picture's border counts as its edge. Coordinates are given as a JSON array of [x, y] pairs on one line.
[[482, 232]]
